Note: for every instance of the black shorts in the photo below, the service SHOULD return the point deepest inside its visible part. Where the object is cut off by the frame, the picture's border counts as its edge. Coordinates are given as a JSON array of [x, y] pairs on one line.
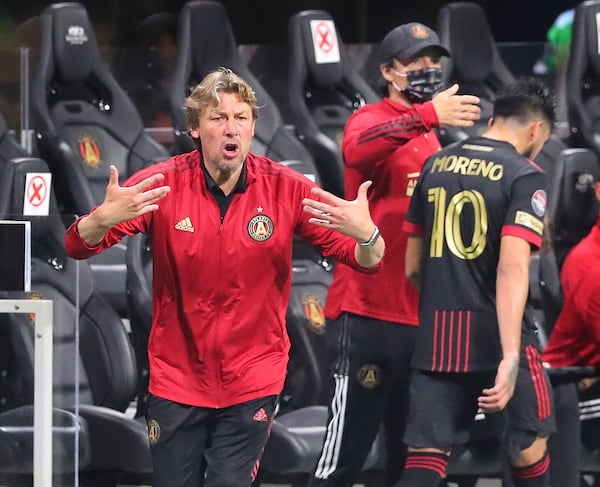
[[443, 406]]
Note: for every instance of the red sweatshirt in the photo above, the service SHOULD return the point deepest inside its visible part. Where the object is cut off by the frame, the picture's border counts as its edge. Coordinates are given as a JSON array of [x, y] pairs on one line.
[[221, 289], [575, 339], [387, 143]]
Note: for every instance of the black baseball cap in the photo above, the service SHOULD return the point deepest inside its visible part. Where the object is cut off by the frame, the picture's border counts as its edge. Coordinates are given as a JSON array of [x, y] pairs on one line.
[[407, 40]]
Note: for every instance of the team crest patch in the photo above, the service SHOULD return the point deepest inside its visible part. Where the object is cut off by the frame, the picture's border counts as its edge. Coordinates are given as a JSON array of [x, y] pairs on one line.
[[153, 431], [89, 150], [315, 313], [419, 32], [538, 202], [260, 228], [369, 376]]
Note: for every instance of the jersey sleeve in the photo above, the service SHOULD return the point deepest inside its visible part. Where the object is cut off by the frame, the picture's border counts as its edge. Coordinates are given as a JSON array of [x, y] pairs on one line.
[[525, 215], [369, 138]]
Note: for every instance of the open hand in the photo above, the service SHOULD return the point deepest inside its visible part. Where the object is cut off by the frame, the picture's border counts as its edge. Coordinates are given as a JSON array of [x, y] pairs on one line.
[[122, 203], [351, 218]]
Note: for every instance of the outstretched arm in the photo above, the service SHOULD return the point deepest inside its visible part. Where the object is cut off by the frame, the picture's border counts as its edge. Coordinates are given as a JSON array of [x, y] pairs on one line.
[[351, 218], [121, 203]]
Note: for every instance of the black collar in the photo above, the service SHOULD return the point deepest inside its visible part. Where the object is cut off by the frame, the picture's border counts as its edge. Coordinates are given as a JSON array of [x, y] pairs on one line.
[[213, 187]]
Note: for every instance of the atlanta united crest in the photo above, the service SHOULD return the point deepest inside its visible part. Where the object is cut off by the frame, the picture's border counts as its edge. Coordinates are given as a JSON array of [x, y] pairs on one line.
[[260, 228], [153, 431], [89, 150], [315, 313], [369, 376]]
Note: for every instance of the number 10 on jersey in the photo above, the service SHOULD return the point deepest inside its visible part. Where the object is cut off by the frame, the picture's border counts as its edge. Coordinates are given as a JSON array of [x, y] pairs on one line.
[[447, 220]]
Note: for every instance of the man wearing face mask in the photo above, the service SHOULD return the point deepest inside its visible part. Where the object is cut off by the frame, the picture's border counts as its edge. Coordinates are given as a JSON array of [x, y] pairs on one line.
[[371, 321]]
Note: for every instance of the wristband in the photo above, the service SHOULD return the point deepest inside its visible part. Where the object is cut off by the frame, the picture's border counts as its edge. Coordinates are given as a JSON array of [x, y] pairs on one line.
[[372, 239]]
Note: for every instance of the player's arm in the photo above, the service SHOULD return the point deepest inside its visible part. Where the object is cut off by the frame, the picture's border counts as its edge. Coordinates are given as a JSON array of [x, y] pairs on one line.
[[412, 262], [512, 284]]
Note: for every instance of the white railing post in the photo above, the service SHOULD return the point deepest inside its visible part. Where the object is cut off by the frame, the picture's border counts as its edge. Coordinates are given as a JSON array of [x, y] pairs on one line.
[[43, 380]]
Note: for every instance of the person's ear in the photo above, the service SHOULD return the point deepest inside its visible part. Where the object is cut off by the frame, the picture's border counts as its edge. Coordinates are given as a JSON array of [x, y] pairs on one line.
[[490, 122], [385, 70], [534, 129], [195, 134]]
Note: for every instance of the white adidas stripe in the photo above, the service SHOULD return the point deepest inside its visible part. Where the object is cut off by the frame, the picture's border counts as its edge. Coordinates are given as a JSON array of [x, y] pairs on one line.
[[330, 454]]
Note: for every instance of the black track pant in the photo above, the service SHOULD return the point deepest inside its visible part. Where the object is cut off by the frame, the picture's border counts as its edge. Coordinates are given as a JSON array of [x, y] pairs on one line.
[[371, 373], [193, 446]]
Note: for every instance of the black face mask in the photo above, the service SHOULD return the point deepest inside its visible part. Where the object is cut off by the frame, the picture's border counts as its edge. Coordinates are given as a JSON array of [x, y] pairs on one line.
[[423, 84]]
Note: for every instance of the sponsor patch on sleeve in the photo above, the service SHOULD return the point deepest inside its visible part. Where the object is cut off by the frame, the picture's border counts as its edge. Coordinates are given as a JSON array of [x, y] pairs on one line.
[[538, 202], [529, 221]]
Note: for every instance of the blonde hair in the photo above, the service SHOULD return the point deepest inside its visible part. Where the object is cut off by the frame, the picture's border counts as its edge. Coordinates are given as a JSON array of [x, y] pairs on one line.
[[206, 94]]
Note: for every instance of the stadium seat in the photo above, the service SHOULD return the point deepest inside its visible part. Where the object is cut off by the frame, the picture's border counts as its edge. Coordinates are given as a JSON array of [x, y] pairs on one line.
[[206, 42], [323, 89], [583, 78], [105, 382], [572, 211], [475, 64], [307, 380], [84, 122], [575, 208]]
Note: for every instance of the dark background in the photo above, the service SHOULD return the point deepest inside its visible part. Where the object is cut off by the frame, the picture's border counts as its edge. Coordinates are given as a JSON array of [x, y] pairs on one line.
[[265, 21]]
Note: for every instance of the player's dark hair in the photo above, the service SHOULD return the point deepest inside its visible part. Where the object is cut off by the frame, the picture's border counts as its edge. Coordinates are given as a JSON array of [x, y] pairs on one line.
[[525, 99]]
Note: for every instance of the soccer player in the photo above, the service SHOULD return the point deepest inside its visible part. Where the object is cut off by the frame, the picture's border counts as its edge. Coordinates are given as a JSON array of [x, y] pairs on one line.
[[476, 214]]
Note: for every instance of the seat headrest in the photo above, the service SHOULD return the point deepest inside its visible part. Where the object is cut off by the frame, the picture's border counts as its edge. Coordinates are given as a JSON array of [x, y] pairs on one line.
[[576, 205], [75, 50], [209, 21], [464, 29], [46, 230], [323, 48], [585, 19], [206, 42]]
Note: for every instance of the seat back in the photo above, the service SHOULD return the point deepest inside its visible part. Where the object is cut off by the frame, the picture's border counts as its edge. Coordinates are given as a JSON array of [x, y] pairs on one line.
[[575, 209], [308, 376], [583, 77], [206, 42], [84, 120], [475, 64], [107, 371], [571, 212], [139, 309], [323, 89]]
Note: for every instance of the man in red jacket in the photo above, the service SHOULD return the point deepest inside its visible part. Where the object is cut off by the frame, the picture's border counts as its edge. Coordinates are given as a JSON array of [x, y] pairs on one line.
[[222, 248], [575, 341], [372, 319], [575, 338]]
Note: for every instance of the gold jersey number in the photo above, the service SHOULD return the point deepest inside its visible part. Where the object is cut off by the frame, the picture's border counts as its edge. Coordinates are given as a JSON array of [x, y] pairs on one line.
[[446, 223]]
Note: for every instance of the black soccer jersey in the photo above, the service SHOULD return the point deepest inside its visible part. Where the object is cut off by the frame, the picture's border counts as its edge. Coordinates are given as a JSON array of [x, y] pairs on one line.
[[468, 196]]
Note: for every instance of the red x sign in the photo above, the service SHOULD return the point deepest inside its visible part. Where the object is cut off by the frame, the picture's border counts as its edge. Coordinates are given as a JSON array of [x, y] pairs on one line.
[[325, 41], [37, 194]]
